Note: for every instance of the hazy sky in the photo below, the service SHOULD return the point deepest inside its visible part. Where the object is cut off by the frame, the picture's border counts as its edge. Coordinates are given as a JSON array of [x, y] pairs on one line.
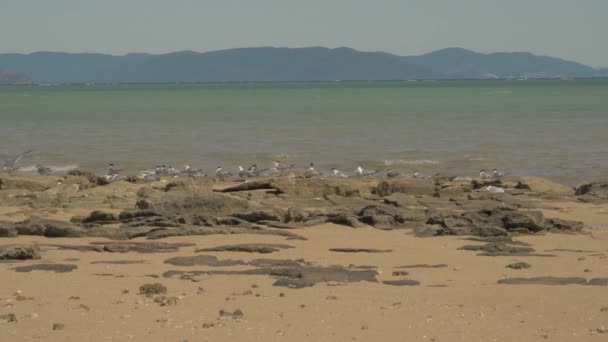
[[570, 29]]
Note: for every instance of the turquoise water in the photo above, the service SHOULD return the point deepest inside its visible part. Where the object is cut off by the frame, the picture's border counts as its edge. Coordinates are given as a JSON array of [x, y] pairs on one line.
[[546, 128]]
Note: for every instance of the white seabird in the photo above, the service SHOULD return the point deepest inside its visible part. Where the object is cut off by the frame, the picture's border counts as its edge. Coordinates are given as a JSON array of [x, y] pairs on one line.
[[243, 173], [221, 174], [112, 170], [43, 170], [362, 172], [497, 174], [484, 175], [337, 173], [11, 164], [312, 171]]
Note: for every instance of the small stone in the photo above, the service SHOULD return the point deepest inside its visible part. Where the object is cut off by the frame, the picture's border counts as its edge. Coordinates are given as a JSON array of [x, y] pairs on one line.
[[9, 317], [331, 298], [152, 289], [400, 273], [604, 309], [237, 314], [587, 270], [208, 325], [58, 326], [519, 265], [281, 295], [74, 298]]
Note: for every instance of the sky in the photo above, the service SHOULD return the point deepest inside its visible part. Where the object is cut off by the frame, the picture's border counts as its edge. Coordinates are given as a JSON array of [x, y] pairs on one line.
[[574, 30]]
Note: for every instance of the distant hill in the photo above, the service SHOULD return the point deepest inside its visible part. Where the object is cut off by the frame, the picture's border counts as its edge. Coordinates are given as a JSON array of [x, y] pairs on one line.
[[285, 64], [7, 77]]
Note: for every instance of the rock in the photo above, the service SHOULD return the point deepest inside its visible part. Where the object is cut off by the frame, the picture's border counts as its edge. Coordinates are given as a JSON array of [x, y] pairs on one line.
[[28, 183], [58, 326], [401, 282], [19, 252], [236, 314], [260, 215], [63, 231], [543, 185], [57, 268], [406, 186], [423, 266], [100, 216], [430, 231], [152, 289], [309, 276], [202, 260], [359, 250], [296, 215], [555, 224], [345, 219], [196, 204], [400, 273], [531, 220], [265, 184], [166, 301], [597, 190], [519, 265], [544, 281], [10, 318], [496, 249], [6, 232], [598, 282], [263, 248]]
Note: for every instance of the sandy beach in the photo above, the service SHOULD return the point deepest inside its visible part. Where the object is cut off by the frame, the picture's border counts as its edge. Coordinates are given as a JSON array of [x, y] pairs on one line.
[[230, 270]]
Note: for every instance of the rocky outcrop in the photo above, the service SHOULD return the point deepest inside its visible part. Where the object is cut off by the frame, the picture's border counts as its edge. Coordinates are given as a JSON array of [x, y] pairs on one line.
[[19, 252], [592, 192]]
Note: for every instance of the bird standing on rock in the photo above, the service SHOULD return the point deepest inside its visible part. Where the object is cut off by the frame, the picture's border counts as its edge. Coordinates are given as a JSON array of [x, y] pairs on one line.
[[221, 174]]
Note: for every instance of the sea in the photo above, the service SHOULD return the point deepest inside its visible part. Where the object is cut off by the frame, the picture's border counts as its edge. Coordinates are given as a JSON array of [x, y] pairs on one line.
[[549, 128]]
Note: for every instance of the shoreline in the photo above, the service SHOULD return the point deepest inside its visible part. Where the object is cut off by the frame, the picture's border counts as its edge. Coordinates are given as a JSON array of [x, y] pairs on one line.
[[299, 258]]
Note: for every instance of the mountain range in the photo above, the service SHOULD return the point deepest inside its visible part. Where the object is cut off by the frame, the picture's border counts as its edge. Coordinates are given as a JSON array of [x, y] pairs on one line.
[[284, 64]]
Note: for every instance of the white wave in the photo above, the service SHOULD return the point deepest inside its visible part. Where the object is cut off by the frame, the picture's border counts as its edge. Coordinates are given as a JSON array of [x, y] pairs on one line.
[[391, 162]]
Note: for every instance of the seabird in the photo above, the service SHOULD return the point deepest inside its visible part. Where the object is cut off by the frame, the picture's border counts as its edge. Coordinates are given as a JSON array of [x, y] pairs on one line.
[[497, 174], [219, 173], [360, 171], [338, 173], [192, 172], [392, 174], [244, 173], [484, 175], [312, 171], [11, 164], [43, 170], [281, 167], [112, 170]]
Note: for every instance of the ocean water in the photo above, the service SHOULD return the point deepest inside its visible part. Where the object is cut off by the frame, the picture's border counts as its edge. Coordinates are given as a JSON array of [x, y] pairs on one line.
[[554, 128]]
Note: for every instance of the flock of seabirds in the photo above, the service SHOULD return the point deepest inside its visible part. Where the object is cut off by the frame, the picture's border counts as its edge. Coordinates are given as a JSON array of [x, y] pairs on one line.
[[114, 174]]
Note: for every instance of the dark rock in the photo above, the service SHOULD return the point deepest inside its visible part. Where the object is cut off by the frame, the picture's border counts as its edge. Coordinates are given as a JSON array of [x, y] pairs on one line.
[[296, 215], [309, 276], [119, 262], [345, 219], [100, 216], [519, 265], [236, 314], [58, 326], [10, 318], [406, 186], [249, 186], [531, 220], [152, 289], [598, 190], [496, 249], [134, 214], [276, 263], [57, 268], [63, 231], [423, 266], [124, 247], [401, 282], [19, 252], [202, 260], [544, 281], [564, 225], [359, 250], [598, 282], [430, 231], [260, 215], [6, 232], [263, 248], [400, 273]]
